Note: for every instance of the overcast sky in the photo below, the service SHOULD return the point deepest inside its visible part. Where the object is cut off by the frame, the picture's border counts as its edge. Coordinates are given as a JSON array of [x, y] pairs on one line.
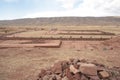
[[13, 9]]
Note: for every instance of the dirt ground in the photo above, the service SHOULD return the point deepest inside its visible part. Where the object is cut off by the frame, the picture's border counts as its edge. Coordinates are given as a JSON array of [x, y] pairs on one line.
[[22, 63]]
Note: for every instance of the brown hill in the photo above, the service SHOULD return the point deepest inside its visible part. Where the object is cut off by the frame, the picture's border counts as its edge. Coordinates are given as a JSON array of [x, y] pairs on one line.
[[63, 21]]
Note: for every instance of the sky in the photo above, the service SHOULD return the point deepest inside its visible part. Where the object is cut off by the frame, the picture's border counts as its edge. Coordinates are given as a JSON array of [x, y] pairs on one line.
[[15, 9]]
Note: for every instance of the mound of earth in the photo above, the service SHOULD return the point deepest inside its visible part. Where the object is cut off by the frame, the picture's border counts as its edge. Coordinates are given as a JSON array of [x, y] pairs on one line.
[[76, 69]]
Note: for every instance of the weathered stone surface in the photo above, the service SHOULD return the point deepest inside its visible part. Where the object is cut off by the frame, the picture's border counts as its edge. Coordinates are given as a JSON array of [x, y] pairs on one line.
[[83, 78], [75, 61], [58, 77], [39, 79], [76, 66], [104, 74], [52, 77], [42, 73], [100, 68], [46, 77], [73, 69], [71, 59], [94, 77], [69, 75], [88, 69], [48, 72], [65, 64], [83, 60], [114, 78], [77, 76], [65, 78], [118, 78], [57, 68]]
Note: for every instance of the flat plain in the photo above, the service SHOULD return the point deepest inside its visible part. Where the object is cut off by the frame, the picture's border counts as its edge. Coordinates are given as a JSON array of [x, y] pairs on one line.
[[20, 63]]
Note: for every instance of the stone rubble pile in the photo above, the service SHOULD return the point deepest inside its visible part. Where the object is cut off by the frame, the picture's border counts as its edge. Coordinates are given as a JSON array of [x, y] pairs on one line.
[[76, 69]]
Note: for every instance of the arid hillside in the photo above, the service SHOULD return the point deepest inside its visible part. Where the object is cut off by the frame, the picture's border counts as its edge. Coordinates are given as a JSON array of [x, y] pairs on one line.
[[63, 21]]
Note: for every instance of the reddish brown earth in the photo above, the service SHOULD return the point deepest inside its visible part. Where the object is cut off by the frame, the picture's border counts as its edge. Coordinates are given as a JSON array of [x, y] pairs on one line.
[[21, 63], [76, 69]]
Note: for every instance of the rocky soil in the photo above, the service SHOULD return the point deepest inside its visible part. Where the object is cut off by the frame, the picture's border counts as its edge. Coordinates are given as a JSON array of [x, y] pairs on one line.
[[27, 63], [76, 69]]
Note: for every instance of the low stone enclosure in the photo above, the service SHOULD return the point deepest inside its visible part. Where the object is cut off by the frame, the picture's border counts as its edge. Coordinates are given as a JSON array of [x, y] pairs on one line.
[[76, 69], [59, 38], [52, 41], [15, 42], [31, 43], [84, 32]]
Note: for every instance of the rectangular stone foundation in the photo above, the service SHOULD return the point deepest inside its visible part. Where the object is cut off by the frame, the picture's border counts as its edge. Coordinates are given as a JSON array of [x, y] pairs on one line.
[[50, 44]]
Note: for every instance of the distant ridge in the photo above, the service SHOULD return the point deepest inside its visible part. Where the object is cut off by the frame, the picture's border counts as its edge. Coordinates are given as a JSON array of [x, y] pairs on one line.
[[63, 21]]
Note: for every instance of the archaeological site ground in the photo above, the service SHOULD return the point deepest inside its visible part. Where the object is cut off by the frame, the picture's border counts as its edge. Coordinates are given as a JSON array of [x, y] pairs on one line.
[[66, 48]]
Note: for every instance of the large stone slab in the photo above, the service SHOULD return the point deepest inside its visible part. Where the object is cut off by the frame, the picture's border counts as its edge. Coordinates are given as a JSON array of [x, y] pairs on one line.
[[88, 69]]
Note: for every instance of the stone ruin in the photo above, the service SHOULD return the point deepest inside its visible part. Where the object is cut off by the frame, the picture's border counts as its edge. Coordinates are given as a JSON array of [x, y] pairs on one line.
[[76, 69]]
